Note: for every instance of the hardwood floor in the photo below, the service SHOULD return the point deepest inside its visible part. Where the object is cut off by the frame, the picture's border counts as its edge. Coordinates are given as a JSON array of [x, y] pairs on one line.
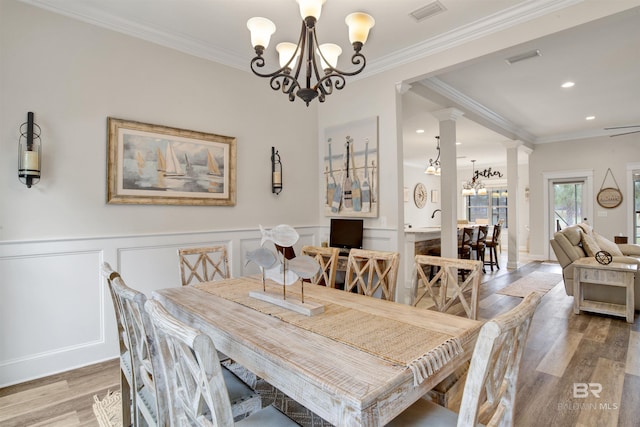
[[64, 399], [578, 370]]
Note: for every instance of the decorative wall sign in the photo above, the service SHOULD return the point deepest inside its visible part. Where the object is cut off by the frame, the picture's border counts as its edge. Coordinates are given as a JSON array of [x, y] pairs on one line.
[[350, 176], [420, 195], [609, 197], [153, 164]]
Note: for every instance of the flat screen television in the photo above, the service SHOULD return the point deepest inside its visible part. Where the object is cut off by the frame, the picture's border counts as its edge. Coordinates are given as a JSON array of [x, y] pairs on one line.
[[346, 233]]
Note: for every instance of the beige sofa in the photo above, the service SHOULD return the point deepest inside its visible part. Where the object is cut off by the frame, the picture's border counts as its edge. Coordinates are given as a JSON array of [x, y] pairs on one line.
[[580, 241]]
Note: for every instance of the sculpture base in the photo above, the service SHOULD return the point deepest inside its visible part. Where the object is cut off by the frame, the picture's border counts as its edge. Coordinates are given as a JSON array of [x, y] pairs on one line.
[[307, 308]]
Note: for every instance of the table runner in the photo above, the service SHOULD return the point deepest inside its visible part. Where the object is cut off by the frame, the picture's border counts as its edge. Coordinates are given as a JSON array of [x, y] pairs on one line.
[[422, 350]]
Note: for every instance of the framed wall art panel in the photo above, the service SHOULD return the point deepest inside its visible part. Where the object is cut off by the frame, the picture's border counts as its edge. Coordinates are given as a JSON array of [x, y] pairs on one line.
[[153, 164], [350, 176]]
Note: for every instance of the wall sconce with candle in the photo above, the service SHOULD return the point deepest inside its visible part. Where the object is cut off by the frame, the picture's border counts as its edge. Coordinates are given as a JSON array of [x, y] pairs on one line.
[[29, 152], [276, 172]]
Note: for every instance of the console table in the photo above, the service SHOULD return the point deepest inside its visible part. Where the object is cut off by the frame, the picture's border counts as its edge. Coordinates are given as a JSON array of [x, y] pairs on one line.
[[618, 274]]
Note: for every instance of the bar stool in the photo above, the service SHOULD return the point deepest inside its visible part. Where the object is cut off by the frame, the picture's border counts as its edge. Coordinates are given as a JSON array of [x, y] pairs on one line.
[[492, 244], [480, 244]]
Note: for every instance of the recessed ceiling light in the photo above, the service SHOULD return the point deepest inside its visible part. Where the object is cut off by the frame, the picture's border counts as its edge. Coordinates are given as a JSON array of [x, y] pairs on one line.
[[420, 131], [590, 118], [567, 85], [458, 143]]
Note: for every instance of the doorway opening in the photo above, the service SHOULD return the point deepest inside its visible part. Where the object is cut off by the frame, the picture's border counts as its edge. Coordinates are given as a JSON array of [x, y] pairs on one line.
[[568, 201]]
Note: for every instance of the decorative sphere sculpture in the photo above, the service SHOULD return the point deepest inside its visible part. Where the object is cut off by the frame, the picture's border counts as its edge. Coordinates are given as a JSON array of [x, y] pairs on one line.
[[603, 257]]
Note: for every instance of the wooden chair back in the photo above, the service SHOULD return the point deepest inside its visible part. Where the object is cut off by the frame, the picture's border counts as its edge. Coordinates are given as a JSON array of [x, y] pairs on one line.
[[372, 271], [465, 242], [444, 288], [495, 236], [203, 264], [490, 391], [194, 379], [328, 260], [287, 251], [482, 236], [127, 385], [137, 328]]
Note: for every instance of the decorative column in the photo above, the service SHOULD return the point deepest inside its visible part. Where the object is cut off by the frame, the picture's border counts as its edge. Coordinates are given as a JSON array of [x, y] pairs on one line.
[[448, 181], [514, 150]]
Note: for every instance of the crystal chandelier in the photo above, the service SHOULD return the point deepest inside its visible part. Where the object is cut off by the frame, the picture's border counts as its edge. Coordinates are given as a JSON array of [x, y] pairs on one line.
[[434, 165], [474, 185], [319, 82]]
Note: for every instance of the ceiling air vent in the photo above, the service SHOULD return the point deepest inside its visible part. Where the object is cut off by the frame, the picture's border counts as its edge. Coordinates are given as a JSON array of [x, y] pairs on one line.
[[428, 11], [521, 57]]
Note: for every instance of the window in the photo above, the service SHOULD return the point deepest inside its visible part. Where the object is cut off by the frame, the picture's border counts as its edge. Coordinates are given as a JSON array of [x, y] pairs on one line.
[[492, 206], [636, 208], [568, 203]]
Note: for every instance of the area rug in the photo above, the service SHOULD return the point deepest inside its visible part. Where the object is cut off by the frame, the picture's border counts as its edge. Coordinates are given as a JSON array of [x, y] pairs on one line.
[[108, 410], [109, 414], [537, 281]]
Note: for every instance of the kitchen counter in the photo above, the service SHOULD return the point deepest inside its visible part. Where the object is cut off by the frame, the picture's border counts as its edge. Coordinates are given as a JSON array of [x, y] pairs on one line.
[[416, 230]]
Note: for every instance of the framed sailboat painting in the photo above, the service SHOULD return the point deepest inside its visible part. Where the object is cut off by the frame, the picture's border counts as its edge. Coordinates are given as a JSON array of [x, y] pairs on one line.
[[153, 164]]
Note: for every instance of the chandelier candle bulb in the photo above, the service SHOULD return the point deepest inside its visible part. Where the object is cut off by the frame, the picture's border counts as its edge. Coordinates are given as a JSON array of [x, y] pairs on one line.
[[286, 51], [261, 31], [359, 25], [330, 52], [310, 8]]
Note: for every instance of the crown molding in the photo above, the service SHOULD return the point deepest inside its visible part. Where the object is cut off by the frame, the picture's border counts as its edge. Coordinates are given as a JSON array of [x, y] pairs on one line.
[[509, 17], [470, 105], [499, 21], [143, 31]]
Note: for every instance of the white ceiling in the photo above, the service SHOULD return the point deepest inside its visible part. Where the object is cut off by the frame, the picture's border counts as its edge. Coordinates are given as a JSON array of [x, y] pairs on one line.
[[521, 101]]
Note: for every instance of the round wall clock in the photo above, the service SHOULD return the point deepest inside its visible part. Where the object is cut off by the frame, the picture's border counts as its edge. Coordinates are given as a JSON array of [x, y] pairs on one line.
[[420, 195]]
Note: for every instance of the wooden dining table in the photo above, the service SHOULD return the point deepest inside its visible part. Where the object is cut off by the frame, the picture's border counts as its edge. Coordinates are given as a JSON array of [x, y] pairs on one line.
[[360, 362]]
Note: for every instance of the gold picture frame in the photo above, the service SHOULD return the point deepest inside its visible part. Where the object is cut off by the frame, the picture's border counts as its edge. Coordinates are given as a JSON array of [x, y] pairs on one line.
[[160, 165]]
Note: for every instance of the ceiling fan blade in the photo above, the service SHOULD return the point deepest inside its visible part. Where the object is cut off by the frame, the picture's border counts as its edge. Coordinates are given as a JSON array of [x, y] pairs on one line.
[[623, 127], [626, 133]]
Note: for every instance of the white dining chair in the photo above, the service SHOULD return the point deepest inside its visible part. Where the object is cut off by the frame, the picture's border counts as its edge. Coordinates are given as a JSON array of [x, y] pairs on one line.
[[147, 378], [490, 391], [327, 258], [449, 296], [144, 379], [372, 272], [127, 386], [195, 387], [204, 264]]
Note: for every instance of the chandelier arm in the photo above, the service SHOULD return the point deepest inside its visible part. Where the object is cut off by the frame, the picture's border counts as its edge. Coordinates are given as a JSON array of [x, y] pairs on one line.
[[287, 84], [330, 81], [356, 59]]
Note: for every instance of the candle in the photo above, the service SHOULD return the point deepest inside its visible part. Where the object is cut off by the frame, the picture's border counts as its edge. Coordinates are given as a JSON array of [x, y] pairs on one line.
[[30, 161], [277, 177]]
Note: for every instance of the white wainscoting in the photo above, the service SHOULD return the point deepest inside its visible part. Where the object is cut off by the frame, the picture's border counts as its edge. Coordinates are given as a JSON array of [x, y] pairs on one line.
[[56, 313]]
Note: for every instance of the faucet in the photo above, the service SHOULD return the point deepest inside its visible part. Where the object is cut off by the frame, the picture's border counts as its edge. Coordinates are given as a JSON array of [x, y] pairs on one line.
[[433, 215]]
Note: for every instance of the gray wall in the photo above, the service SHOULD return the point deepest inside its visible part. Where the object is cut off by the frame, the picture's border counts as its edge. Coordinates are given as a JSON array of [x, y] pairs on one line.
[[75, 75]]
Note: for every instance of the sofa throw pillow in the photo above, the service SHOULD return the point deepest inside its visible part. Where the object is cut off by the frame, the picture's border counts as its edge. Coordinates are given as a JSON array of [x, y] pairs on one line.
[[607, 245], [590, 245]]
